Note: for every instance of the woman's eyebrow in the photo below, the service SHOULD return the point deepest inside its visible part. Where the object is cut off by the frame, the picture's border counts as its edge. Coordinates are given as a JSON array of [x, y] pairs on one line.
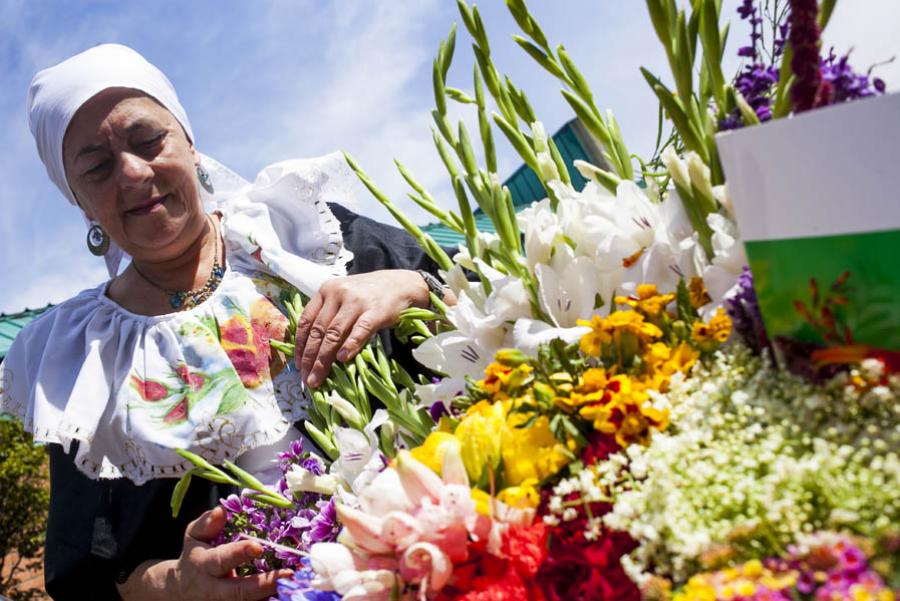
[[134, 127], [88, 150]]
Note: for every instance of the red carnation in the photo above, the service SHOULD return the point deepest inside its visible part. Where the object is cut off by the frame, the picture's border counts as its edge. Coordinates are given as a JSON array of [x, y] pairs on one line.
[[486, 577]]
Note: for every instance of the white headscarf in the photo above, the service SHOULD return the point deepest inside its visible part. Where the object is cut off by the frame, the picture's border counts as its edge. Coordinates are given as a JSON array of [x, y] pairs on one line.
[[56, 94]]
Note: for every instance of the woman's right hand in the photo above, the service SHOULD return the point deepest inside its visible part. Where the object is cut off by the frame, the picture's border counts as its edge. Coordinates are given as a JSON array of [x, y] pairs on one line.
[[203, 572]]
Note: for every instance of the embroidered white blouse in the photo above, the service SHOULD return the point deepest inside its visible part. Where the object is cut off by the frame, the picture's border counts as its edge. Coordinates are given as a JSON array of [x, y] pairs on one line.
[[131, 388]]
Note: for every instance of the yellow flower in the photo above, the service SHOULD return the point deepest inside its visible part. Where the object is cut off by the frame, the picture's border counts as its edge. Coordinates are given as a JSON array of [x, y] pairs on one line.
[[479, 434], [627, 412], [431, 452], [647, 300], [500, 378], [632, 322], [752, 569], [593, 342], [716, 332], [531, 453], [698, 293], [482, 501], [698, 588], [523, 496], [592, 380], [745, 588]]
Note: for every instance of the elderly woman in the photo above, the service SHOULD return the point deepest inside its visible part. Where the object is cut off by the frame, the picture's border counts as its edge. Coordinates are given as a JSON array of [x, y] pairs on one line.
[[173, 351]]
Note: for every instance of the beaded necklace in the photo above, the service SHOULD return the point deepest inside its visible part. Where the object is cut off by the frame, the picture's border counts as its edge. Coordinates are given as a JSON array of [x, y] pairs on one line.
[[187, 299]]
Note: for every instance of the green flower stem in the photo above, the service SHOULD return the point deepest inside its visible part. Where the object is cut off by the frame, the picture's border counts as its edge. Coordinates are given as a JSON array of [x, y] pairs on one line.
[[437, 254]]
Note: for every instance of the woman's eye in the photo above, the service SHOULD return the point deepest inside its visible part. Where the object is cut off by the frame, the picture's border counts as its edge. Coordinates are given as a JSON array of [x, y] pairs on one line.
[[151, 141], [96, 169]]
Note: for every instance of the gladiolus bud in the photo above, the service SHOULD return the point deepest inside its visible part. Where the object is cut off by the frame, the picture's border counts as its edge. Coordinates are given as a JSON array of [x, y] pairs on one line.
[[302, 480], [346, 410]]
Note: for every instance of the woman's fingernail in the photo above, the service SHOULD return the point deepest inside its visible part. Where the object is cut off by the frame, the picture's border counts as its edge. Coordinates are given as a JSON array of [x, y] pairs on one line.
[[343, 354], [312, 381]]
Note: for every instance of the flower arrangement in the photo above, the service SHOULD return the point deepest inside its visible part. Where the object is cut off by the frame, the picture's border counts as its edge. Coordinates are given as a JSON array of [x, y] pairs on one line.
[[607, 418]]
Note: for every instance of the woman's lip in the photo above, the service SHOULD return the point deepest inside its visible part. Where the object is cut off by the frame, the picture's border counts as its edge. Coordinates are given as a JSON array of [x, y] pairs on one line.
[[146, 208]]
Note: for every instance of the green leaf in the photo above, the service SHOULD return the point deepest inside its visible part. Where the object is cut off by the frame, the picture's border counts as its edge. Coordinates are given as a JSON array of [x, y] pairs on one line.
[[685, 309], [178, 493]]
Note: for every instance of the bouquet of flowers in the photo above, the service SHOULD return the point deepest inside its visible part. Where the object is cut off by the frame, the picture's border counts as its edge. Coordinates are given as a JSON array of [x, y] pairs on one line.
[[607, 419]]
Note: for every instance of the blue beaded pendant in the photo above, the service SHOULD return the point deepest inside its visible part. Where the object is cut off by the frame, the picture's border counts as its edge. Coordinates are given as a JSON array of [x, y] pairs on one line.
[[176, 300]]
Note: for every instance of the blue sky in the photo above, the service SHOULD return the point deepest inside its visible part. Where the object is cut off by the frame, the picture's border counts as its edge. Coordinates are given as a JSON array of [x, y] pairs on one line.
[[268, 80]]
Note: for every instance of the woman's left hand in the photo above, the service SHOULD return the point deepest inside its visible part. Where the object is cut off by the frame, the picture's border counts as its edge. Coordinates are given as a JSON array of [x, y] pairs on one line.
[[339, 320]]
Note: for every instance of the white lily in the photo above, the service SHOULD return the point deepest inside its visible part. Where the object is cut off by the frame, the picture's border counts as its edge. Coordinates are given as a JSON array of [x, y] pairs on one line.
[[454, 354], [359, 460], [568, 295], [529, 334]]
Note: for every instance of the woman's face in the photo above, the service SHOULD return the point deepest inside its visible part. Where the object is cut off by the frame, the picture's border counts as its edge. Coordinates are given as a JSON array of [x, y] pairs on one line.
[[133, 170]]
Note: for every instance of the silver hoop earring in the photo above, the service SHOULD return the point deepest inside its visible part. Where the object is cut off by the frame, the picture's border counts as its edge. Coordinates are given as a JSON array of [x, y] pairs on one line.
[[203, 176], [97, 241]]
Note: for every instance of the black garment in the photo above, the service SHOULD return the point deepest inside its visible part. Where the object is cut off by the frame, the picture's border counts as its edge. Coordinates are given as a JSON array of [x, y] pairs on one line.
[[100, 530]]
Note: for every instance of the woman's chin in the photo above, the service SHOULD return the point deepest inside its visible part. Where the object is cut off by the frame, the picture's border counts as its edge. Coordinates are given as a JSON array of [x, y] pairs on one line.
[[160, 236]]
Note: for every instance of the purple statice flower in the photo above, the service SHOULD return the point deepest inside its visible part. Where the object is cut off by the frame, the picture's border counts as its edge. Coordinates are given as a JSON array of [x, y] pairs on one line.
[[299, 586], [808, 90], [742, 306]]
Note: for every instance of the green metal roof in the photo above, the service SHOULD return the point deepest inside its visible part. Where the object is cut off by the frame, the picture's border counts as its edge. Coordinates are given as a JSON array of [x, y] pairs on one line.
[[11, 324], [525, 187]]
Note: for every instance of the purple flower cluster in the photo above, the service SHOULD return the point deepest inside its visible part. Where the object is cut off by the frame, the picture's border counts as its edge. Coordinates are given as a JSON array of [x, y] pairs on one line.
[[845, 83], [313, 518], [832, 82], [299, 586], [838, 570], [743, 309]]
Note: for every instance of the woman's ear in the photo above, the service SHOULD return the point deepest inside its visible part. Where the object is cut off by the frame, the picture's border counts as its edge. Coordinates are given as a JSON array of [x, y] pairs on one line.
[[84, 208]]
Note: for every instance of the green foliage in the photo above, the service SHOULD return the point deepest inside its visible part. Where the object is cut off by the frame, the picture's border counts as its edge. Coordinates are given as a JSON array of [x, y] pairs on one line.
[[24, 501]]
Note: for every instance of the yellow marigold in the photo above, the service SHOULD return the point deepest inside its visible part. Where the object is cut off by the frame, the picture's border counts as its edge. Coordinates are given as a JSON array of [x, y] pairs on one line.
[[716, 331], [647, 300], [592, 380], [479, 435], [632, 322], [628, 412], [593, 342], [496, 375]]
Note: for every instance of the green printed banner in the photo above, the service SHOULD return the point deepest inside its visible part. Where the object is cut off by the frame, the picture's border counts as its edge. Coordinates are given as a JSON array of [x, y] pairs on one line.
[[818, 210], [810, 288]]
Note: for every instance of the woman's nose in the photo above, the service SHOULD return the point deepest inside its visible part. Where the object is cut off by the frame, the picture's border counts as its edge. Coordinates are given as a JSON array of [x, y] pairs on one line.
[[133, 170]]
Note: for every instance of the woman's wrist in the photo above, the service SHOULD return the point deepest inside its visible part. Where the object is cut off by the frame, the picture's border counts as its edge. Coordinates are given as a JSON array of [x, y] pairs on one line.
[[153, 580]]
